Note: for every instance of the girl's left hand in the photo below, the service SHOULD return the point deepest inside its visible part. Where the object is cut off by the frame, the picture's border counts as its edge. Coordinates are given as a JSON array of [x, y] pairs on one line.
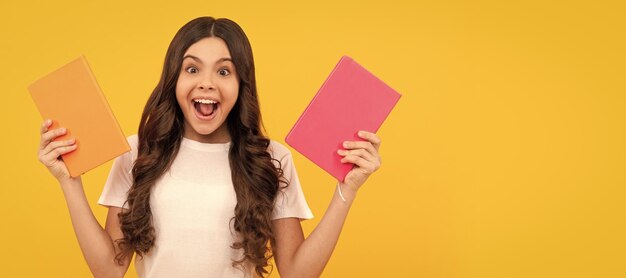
[[364, 155]]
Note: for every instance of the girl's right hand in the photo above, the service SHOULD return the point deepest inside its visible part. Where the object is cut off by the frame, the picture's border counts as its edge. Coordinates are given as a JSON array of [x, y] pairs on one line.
[[50, 151]]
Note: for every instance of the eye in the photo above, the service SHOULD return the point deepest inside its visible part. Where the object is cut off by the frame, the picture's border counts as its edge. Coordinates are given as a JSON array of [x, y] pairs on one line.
[[191, 69], [224, 72]]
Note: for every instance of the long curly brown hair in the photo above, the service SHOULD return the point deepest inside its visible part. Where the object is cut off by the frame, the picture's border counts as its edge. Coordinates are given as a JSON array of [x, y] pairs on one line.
[[255, 176]]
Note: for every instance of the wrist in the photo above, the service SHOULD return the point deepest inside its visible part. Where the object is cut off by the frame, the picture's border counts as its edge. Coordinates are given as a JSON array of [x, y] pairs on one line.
[[346, 193], [70, 183]]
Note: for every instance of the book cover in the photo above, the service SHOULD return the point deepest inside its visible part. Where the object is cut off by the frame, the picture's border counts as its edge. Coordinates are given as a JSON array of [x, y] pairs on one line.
[[351, 99], [71, 97]]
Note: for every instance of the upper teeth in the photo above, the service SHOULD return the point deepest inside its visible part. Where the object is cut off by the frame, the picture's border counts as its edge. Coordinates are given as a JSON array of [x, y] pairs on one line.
[[205, 101]]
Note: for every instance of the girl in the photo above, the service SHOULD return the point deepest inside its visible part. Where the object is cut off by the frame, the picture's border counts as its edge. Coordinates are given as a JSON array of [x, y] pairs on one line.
[[203, 192]]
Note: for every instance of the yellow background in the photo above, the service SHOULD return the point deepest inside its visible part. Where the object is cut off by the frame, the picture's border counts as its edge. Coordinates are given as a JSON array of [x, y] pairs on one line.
[[505, 156]]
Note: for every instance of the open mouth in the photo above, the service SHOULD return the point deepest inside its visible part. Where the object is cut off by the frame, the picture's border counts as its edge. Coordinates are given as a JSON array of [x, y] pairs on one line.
[[205, 108]]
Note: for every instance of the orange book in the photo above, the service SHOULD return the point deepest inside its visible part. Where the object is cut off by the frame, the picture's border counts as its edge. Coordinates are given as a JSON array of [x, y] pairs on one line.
[[71, 97]]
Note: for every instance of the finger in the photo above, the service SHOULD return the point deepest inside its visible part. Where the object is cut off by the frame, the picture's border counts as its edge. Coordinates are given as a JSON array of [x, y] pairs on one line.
[[357, 152], [57, 144], [361, 145], [362, 163], [55, 155], [45, 125], [47, 137], [48, 158], [371, 137]]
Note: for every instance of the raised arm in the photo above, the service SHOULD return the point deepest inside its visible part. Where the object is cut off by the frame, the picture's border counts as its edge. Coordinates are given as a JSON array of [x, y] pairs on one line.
[[96, 243], [296, 256]]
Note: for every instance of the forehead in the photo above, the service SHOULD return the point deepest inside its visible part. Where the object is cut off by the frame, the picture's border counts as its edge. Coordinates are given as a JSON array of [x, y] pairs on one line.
[[209, 50]]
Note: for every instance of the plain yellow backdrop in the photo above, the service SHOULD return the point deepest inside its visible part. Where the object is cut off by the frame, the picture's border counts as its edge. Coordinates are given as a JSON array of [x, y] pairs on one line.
[[505, 156]]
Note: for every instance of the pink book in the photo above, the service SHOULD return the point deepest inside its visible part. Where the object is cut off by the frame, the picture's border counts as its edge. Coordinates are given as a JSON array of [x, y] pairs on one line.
[[351, 99]]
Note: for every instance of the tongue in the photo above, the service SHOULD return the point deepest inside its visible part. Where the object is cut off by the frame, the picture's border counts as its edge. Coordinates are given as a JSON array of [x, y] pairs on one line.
[[205, 109]]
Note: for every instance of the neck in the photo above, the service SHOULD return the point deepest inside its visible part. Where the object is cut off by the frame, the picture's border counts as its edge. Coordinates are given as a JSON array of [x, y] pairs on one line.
[[218, 136]]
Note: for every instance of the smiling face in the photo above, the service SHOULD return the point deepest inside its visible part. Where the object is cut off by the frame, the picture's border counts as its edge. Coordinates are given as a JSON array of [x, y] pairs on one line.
[[206, 90]]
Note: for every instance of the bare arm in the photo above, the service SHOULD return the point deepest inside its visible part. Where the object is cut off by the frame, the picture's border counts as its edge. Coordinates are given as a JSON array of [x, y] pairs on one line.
[[95, 242], [299, 257]]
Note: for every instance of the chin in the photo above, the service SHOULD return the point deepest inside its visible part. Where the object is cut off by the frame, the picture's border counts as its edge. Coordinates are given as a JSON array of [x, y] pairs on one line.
[[204, 130]]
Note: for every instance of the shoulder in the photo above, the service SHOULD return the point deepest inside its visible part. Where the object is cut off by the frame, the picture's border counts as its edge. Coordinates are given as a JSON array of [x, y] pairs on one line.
[[278, 150], [133, 142]]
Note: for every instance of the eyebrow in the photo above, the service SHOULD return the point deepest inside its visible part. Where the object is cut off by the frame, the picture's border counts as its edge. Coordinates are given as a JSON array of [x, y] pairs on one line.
[[223, 59]]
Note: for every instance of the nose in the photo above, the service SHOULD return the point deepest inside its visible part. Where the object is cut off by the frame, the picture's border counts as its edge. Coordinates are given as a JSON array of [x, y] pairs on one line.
[[206, 84]]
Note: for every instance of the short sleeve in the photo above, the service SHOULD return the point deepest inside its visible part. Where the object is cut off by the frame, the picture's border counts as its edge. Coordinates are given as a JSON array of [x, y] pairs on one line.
[[290, 201], [120, 178]]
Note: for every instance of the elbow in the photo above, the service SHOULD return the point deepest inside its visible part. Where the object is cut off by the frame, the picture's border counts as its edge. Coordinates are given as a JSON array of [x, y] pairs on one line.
[[107, 274], [296, 268], [284, 272], [109, 271], [297, 273]]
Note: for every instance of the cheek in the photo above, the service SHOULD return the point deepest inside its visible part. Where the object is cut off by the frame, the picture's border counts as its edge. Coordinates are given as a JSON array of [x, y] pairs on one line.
[[230, 91], [182, 89], [179, 95], [234, 94]]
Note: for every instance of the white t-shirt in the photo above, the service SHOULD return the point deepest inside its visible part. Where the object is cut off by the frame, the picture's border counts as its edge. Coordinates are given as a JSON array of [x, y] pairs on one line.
[[192, 206]]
